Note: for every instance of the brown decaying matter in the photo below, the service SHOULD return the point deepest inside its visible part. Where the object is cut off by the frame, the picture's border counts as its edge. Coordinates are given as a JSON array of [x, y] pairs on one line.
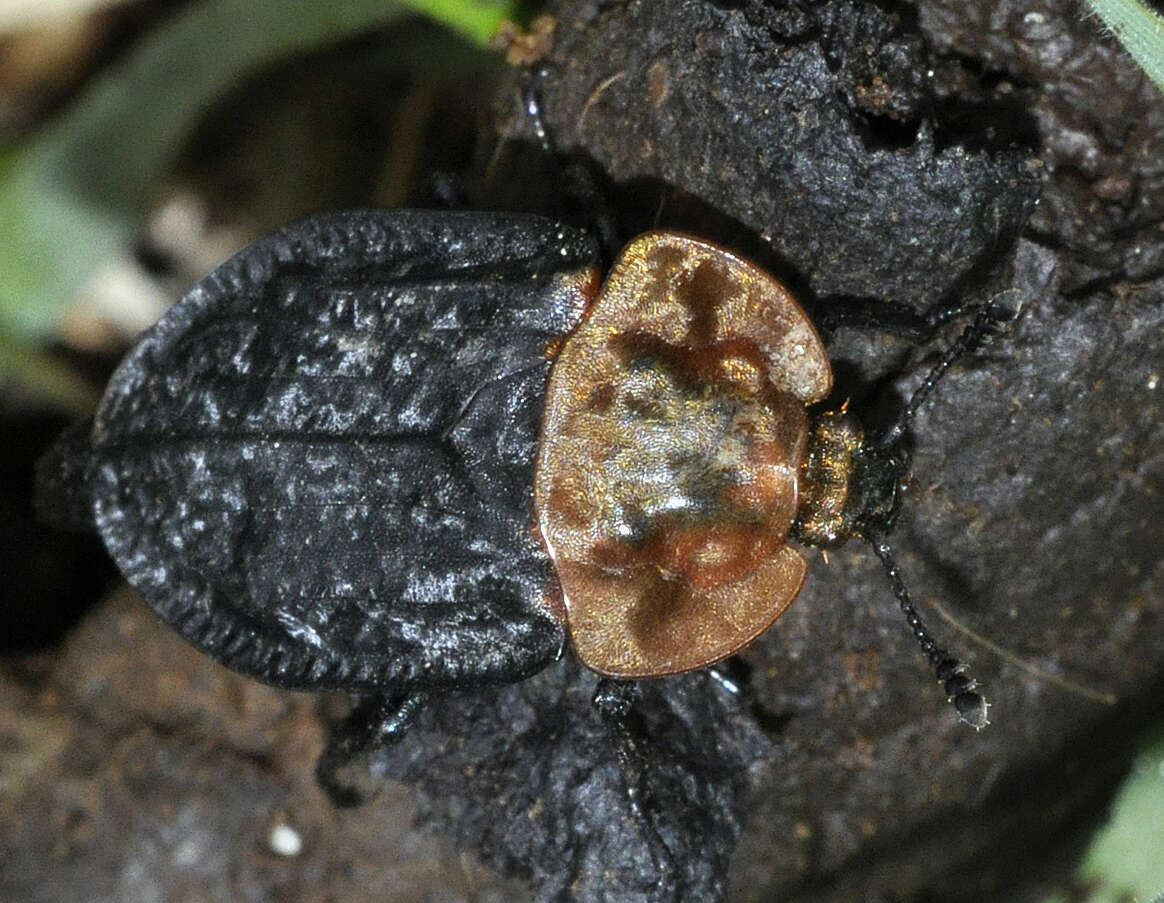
[[673, 438]]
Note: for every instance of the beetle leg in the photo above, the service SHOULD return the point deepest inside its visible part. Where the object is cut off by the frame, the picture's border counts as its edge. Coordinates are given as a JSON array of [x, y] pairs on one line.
[[726, 682], [733, 677], [615, 701], [62, 496], [901, 320], [448, 192], [531, 102], [579, 183], [890, 317], [961, 688], [377, 721]]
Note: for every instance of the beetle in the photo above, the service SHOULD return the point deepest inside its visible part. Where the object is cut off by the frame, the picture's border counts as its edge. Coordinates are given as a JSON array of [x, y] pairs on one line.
[[404, 452], [674, 447]]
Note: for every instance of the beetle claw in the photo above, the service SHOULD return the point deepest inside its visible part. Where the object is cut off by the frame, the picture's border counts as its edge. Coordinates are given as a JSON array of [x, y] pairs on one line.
[[376, 722]]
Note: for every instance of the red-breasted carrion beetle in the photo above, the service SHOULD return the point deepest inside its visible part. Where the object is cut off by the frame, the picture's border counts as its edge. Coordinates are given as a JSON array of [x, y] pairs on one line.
[[401, 452]]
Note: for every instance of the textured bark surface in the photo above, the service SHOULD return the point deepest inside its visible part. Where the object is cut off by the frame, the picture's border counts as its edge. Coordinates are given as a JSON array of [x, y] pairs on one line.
[[813, 129], [820, 144]]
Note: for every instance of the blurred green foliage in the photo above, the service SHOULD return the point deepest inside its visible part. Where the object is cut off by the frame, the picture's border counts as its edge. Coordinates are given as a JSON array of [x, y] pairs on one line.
[[72, 194], [1125, 861], [1141, 31]]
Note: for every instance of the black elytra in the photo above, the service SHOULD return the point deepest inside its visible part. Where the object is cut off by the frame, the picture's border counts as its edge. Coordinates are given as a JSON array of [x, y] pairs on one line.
[[319, 465]]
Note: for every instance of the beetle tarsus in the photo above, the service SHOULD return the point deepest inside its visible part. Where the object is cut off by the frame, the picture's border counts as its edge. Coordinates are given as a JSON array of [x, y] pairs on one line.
[[531, 102], [615, 700], [377, 721]]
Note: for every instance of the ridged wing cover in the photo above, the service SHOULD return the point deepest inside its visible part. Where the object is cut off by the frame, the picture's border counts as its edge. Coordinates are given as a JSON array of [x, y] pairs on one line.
[[318, 466]]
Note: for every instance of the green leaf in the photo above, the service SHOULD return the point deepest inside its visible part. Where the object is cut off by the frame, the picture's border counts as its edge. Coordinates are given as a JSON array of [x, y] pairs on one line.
[[475, 19], [1139, 29], [1126, 858]]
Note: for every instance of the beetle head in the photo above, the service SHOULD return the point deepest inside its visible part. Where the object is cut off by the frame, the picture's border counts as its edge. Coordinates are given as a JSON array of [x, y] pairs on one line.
[[849, 487]]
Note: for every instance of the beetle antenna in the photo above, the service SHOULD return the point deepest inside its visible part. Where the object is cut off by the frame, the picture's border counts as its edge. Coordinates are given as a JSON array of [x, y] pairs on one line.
[[1019, 661], [984, 325], [961, 688]]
